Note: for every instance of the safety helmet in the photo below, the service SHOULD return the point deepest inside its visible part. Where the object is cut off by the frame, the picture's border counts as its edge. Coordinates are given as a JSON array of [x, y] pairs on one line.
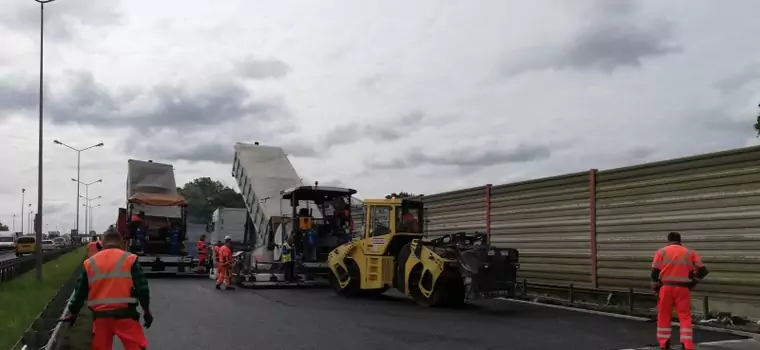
[[227, 238]]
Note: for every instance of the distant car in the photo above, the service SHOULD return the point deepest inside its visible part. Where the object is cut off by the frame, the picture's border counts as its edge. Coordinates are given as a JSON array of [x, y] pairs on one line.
[[7, 242], [48, 245], [25, 245], [59, 242]]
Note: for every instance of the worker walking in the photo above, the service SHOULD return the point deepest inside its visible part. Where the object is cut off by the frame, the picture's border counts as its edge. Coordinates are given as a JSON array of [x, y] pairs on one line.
[[93, 247], [675, 271], [112, 284], [202, 253], [224, 265]]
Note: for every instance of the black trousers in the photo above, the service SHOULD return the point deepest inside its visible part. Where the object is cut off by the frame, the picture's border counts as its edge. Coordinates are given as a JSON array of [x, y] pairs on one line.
[[290, 271]]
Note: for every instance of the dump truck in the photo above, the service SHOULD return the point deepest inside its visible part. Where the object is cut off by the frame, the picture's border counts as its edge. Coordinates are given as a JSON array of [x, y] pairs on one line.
[[447, 271], [154, 221]]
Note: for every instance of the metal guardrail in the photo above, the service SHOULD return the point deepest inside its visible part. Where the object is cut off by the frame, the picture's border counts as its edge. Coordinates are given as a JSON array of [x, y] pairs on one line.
[[10, 269]]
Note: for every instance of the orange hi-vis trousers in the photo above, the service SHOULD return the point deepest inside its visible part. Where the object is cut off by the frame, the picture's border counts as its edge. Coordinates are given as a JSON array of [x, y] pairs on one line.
[[680, 298], [222, 274], [129, 331]]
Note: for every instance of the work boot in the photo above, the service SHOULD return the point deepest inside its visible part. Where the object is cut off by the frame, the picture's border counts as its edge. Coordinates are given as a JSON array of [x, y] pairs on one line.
[[218, 286], [666, 346]]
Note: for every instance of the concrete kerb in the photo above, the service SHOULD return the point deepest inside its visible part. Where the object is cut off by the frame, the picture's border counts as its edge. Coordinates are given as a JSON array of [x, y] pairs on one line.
[[54, 343]]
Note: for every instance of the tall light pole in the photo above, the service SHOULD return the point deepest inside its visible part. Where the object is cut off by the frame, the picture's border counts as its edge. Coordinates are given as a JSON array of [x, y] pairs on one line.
[[88, 213], [29, 219], [79, 158], [38, 233], [23, 191], [86, 195], [14, 224], [89, 209]]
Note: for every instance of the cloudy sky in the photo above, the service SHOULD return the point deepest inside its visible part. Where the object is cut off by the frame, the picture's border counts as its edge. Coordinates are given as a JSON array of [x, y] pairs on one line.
[[379, 95]]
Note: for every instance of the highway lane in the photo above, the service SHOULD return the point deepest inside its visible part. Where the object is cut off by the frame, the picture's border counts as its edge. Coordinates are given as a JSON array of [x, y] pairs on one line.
[[7, 255], [191, 314]]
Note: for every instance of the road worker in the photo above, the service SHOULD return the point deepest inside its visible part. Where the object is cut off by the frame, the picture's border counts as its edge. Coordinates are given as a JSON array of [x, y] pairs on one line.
[[112, 284], [224, 264], [675, 271], [202, 253], [287, 260], [94, 246]]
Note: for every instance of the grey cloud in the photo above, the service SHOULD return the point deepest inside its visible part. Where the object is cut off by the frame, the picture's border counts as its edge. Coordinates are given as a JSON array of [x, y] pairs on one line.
[[162, 107], [51, 208], [17, 94], [262, 69], [192, 152], [301, 150], [614, 38], [393, 130], [343, 134], [61, 19], [470, 158], [739, 79], [215, 152]]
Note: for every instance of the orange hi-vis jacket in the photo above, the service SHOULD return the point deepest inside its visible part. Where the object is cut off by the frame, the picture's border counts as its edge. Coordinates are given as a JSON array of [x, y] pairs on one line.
[[677, 265], [225, 256], [92, 248], [201, 246], [110, 280]]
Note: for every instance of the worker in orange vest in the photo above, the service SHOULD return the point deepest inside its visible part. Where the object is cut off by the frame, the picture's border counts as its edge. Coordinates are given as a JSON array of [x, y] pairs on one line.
[[112, 284], [93, 247], [675, 271], [224, 264], [202, 252]]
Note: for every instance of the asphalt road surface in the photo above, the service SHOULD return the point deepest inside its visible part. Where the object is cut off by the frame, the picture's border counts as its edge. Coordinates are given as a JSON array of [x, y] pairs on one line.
[[191, 314]]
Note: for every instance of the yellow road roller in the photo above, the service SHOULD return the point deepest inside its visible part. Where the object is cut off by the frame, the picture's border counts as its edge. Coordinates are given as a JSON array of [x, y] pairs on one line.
[[447, 271]]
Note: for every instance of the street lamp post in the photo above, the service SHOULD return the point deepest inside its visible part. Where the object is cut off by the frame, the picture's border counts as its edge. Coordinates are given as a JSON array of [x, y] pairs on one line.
[[88, 212], [29, 220], [88, 208], [86, 195], [79, 157], [23, 191], [38, 233], [14, 224]]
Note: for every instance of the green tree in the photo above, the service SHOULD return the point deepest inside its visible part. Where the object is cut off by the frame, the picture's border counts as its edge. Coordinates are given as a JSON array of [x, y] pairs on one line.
[[757, 124], [401, 194], [204, 195], [4, 227]]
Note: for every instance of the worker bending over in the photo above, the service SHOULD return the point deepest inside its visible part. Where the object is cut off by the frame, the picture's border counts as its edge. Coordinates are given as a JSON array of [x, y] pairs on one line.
[[112, 284], [224, 265], [675, 271]]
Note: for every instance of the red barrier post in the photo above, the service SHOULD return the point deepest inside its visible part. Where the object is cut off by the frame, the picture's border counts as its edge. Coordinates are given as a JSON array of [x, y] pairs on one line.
[[592, 225]]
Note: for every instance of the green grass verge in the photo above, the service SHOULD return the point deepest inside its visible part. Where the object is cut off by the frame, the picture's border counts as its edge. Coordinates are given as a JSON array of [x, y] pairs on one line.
[[23, 298]]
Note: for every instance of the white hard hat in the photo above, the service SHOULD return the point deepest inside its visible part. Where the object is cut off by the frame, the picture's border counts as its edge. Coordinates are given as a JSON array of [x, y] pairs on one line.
[[227, 238]]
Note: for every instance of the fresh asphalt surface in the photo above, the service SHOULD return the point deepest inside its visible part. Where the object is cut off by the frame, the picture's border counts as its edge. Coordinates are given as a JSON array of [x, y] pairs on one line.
[[191, 314]]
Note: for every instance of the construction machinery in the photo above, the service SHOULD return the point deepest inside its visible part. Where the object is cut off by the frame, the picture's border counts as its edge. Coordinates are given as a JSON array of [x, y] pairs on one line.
[[319, 220], [446, 271], [154, 221]]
